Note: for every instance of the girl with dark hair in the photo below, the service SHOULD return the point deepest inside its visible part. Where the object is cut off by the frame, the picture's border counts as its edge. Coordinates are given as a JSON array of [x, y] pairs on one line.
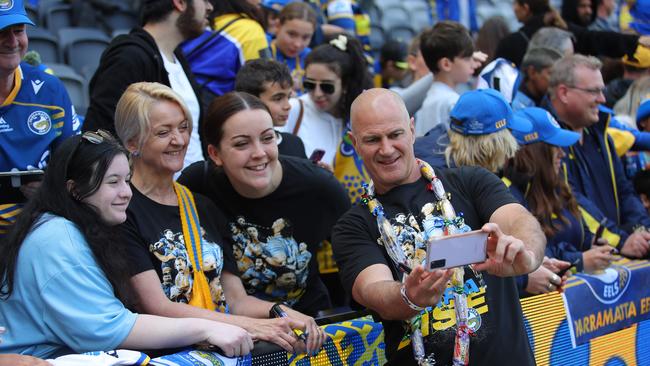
[[260, 194], [534, 176], [335, 74], [179, 264], [62, 266], [298, 22]]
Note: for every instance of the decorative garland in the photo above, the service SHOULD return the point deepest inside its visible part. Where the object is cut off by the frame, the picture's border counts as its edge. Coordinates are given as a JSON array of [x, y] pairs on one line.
[[448, 224]]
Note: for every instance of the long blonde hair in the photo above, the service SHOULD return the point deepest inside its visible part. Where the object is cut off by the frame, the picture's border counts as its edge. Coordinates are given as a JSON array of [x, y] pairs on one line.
[[489, 151]]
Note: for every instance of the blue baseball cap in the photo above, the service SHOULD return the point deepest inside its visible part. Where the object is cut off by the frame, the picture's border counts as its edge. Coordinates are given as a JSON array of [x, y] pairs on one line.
[[545, 129], [643, 111], [13, 12], [275, 5], [484, 111]]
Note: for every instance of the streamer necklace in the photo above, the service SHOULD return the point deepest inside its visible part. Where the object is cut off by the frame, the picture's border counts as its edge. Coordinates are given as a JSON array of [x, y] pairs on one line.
[[448, 224]]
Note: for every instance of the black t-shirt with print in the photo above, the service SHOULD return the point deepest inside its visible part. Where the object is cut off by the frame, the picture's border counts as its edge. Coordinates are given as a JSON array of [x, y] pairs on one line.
[[494, 309], [275, 238], [155, 240]]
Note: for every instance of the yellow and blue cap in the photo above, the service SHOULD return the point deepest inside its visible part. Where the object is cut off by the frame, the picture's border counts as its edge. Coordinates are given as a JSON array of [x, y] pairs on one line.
[[484, 111]]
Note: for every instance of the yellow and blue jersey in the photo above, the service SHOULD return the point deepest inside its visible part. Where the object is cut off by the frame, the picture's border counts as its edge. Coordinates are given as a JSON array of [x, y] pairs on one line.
[[36, 116], [296, 64]]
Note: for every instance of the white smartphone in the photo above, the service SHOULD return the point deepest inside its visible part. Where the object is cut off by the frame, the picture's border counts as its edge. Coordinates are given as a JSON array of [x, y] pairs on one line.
[[456, 250]]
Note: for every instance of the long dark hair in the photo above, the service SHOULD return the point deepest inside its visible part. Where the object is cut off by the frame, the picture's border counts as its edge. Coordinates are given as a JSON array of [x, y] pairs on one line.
[[221, 7], [548, 194], [350, 65], [84, 163]]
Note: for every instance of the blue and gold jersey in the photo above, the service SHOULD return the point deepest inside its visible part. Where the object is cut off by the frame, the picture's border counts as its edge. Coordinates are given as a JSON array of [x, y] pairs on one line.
[[36, 117]]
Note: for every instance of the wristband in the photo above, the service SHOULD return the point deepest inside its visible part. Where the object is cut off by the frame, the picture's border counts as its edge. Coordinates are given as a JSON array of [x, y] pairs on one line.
[[276, 311], [402, 291]]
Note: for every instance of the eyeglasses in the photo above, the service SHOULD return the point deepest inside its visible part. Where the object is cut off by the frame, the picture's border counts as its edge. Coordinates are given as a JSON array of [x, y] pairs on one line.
[[593, 91], [325, 87]]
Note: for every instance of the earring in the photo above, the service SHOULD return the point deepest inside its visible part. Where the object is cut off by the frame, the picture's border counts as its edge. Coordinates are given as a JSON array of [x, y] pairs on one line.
[[135, 154]]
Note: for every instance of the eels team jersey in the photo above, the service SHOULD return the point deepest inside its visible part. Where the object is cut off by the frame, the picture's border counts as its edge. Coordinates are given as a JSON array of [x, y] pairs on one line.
[[36, 117]]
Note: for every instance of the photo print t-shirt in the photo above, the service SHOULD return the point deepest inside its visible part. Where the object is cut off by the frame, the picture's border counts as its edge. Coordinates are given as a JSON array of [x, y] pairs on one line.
[[275, 238], [155, 236], [494, 311]]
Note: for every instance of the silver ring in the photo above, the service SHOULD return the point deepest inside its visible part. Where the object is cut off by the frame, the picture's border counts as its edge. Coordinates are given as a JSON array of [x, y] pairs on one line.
[[550, 286], [556, 278]]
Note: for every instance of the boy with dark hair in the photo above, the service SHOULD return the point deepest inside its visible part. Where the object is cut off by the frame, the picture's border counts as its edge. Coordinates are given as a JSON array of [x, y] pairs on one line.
[[271, 81], [535, 73], [447, 49]]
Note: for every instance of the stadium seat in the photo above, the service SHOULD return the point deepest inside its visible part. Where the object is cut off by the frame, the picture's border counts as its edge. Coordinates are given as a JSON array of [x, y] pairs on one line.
[[82, 48], [75, 84], [393, 16], [383, 4], [45, 43], [119, 19], [57, 16]]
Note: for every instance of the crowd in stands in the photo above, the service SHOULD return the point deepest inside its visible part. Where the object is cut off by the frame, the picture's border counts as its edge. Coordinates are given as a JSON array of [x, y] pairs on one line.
[[227, 143]]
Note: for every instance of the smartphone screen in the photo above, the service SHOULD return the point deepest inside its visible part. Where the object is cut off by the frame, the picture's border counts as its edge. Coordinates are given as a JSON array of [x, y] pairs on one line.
[[457, 250], [317, 155]]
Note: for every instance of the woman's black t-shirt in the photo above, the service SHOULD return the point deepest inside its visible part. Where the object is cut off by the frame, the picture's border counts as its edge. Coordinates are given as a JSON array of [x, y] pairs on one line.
[[275, 238]]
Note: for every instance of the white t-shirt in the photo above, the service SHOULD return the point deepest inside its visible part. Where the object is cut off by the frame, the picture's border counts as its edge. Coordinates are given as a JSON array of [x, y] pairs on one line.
[[181, 85], [318, 130], [436, 107]]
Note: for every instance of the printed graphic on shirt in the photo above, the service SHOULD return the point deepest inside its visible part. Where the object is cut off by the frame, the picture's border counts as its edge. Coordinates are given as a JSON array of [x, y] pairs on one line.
[[412, 233], [177, 270], [273, 266]]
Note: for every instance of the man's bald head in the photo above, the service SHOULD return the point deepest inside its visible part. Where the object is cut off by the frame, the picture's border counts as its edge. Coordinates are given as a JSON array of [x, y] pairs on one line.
[[376, 102]]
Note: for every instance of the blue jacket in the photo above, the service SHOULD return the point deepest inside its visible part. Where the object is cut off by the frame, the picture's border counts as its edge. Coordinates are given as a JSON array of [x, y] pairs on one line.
[[597, 179]]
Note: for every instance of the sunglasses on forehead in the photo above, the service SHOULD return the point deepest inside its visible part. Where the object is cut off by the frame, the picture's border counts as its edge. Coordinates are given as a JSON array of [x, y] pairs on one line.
[[325, 87], [97, 137]]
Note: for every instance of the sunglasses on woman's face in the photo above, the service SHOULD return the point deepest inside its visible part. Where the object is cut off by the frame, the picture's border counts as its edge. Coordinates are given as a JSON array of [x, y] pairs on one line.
[[325, 87]]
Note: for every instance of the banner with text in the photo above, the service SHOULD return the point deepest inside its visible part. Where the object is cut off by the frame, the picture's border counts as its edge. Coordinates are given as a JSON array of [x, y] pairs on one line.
[[607, 301]]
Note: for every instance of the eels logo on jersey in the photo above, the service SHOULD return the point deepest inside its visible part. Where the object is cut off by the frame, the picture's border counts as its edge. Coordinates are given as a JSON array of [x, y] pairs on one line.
[[6, 5], [609, 285], [39, 122]]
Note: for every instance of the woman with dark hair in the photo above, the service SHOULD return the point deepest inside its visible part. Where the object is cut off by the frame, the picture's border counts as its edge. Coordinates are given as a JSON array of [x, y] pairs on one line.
[[216, 55], [62, 266], [179, 264], [335, 73], [534, 177], [260, 194]]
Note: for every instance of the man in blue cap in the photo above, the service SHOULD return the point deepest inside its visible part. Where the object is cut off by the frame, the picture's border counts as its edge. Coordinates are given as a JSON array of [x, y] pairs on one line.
[[594, 171], [409, 193], [36, 113]]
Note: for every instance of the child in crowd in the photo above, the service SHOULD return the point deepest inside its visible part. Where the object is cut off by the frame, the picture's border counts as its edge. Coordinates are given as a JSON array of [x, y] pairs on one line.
[[297, 24], [447, 49], [271, 81], [393, 67]]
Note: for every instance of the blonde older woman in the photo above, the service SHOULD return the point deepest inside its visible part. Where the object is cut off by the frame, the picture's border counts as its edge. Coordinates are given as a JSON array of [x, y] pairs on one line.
[[168, 226]]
